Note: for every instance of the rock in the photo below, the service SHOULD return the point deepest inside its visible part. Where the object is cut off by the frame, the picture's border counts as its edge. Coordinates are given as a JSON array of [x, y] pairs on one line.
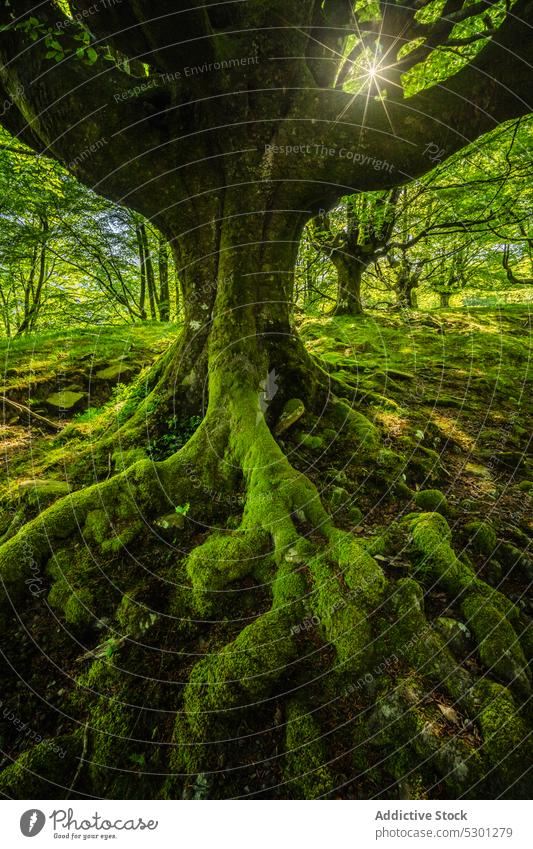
[[355, 515], [292, 412], [339, 498], [443, 400], [114, 373], [65, 400], [41, 493], [431, 501], [482, 537], [455, 634]]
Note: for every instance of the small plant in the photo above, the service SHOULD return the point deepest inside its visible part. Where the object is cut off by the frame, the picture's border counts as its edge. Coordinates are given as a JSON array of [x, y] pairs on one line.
[[88, 415], [182, 509], [201, 787], [178, 432]]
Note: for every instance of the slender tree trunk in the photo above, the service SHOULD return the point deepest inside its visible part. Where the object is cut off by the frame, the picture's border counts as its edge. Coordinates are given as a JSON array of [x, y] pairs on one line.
[[33, 299], [149, 272], [164, 296], [142, 294]]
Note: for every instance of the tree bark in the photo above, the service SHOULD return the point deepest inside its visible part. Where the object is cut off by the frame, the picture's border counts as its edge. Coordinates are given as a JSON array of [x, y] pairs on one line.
[[142, 272], [349, 274], [164, 294]]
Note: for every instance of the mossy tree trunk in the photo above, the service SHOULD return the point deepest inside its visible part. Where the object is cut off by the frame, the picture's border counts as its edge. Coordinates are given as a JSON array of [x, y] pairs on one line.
[[349, 274]]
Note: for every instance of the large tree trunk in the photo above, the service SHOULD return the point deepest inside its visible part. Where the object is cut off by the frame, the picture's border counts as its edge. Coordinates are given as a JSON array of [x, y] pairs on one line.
[[238, 290], [444, 298]]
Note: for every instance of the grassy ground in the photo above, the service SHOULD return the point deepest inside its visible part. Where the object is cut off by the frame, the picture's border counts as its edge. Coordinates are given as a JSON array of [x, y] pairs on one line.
[[449, 391]]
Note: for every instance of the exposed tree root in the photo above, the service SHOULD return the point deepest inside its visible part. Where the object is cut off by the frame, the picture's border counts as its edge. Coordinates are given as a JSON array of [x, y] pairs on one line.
[[378, 654]]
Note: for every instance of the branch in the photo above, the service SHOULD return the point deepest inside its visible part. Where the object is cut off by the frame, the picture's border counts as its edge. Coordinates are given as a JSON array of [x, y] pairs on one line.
[[71, 110], [20, 408], [400, 134]]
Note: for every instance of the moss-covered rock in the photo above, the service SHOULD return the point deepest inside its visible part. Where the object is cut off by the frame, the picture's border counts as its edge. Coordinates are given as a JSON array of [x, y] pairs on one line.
[[481, 536], [416, 736], [498, 645], [455, 634], [222, 559], [43, 772], [42, 493], [431, 501]]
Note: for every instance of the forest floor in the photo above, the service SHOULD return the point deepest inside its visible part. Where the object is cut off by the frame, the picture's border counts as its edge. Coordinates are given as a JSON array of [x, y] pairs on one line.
[[450, 392]]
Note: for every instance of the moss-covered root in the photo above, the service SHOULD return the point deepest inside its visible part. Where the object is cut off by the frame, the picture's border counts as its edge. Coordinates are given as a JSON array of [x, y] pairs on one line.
[[222, 559], [239, 675], [44, 772], [488, 613], [418, 737], [108, 515], [411, 638], [347, 585], [305, 762], [112, 514]]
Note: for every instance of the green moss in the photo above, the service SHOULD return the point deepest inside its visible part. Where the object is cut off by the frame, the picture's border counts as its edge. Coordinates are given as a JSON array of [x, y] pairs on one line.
[[134, 617], [113, 728], [305, 760], [73, 574], [243, 670], [342, 612], [412, 640], [487, 612], [43, 772], [122, 459], [221, 560], [431, 501], [79, 608], [498, 645], [507, 743], [455, 634], [416, 731], [96, 526], [312, 441], [482, 537], [433, 555]]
